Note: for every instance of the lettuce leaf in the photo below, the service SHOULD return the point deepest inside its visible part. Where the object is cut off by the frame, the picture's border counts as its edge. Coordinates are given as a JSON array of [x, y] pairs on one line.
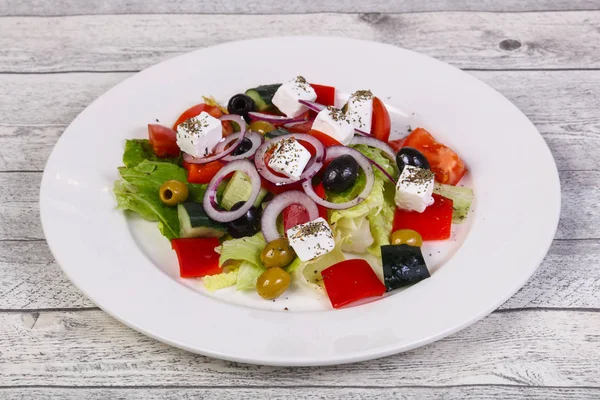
[[247, 275], [245, 249], [137, 191], [377, 210], [310, 271], [220, 281], [138, 150]]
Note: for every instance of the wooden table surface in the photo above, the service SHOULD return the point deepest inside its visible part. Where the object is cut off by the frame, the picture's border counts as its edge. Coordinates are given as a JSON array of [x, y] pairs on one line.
[[56, 57]]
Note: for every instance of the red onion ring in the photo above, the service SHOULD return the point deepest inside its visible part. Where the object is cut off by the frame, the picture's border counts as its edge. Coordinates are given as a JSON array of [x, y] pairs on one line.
[[383, 171], [290, 124], [255, 138], [312, 105], [363, 162], [209, 202], [314, 165], [378, 144], [274, 119], [268, 221], [204, 160]]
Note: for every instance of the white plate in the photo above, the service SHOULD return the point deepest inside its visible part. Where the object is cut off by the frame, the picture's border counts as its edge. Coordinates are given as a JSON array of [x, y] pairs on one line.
[[127, 268]]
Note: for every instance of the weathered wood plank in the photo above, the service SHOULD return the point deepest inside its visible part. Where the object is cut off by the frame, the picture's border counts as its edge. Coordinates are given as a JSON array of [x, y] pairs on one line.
[[568, 278], [304, 393], [75, 7], [567, 117], [536, 348], [468, 40]]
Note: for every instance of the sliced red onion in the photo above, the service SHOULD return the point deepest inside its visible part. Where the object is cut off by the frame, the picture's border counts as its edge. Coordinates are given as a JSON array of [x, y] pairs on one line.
[[209, 202], [314, 165], [383, 171], [242, 133], [363, 162], [274, 119], [312, 105], [254, 137], [268, 221], [378, 144], [291, 124]]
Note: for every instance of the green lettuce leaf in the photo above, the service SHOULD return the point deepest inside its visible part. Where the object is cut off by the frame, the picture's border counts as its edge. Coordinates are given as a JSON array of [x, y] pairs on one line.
[[244, 249], [220, 281], [248, 274], [138, 150], [310, 271], [138, 189]]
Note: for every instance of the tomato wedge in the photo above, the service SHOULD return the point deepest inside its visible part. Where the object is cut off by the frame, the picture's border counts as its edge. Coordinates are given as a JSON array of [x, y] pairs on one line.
[[396, 144], [302, 127], [349, 281], [163, 140], [325, 94], [445, 163], [213, 111], [381, 125], [202, 173], [296, 214], [324, 138], [197, 256], [435, 223]]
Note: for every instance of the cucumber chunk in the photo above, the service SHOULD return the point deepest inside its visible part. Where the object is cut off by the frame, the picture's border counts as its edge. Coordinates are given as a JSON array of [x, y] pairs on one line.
[[239, 189], [263, 96], [194, 222]]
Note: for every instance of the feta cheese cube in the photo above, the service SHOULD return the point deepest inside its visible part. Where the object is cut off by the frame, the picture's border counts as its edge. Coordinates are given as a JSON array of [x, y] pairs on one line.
[[414, 189], [360, 110], [289, 158], [333, 122], [287, 96], [199, 135], [312, 239]]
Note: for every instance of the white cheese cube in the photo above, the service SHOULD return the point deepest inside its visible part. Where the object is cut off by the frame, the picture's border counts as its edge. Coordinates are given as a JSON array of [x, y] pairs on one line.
[[199, 135], [414, 189], [360, 110], [289, 158], [287, 96], [312, 239], [333, 122]]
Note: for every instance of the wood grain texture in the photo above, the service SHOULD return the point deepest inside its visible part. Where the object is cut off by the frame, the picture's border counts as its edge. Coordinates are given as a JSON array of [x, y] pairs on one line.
[[30, 279], [567, 118], [306, 393], [89, 348], [75, 7], [468, 40]]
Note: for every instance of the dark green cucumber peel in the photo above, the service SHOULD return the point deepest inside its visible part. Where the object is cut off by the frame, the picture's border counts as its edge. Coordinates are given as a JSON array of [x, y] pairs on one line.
[[194, 222], [403, 265], [263, 96]]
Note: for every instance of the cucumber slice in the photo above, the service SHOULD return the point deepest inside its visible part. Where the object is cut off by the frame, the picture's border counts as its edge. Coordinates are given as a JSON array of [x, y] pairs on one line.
[[194, 222], [263, 96], [461, 197], [276, 132], [239, 189]]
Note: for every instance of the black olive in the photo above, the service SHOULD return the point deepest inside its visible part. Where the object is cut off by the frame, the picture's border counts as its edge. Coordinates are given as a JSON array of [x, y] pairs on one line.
[[410, 156], [241, 104], [246, 225], [340, 174], [243, 147]]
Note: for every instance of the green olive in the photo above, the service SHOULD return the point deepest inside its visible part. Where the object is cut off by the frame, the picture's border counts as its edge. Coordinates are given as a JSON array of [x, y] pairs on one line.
[[272, 283], [277, 253], [407, 236], [261, 127], [173, 192]]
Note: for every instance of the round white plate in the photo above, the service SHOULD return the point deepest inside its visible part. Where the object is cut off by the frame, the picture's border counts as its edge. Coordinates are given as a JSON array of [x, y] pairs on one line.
[[127, 268]]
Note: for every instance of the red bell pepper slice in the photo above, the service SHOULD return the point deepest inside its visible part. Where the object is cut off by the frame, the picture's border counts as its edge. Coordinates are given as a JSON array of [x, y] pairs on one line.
[[325, 94], [435, 223], [202, 173], [197, 256], [351, 280]]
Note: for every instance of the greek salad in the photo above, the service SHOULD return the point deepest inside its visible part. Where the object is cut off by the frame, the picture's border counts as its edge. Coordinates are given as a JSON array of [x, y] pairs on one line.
[[282, 185]]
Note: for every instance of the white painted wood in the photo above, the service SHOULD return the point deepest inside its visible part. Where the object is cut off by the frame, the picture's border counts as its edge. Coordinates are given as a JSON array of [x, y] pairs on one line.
[[304, 393], [568, 278], [467, 40], [535, 348], [567, 118], [79, 7]]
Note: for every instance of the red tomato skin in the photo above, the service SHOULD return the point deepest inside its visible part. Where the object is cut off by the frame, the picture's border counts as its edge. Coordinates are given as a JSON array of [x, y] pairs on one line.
[[396, 144], [163, 140], [197, 256], [448, 167], [324, 138], [320, 191], [435, 223], [294, 215], [202, 173], [351, 280], [381, 125], [325, 94], [303, 127], [214, 111]]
